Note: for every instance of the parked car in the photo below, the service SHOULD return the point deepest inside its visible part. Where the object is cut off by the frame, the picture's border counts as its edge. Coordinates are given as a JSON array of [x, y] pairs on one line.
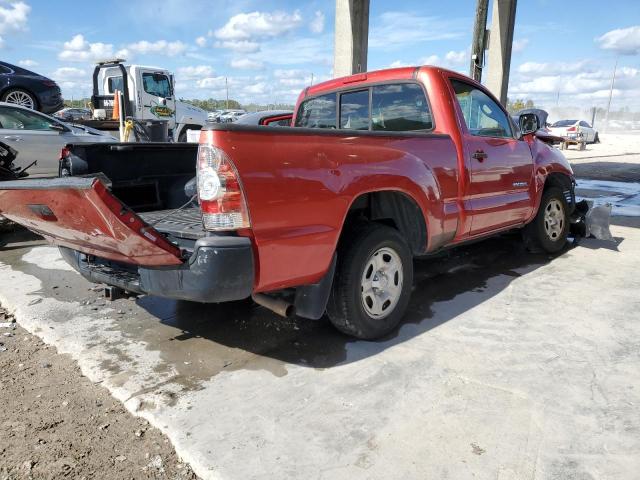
[[573, 129], [273, 118], [325, 216], [72, 114], [231, 116], [28, 89], [39, 137]]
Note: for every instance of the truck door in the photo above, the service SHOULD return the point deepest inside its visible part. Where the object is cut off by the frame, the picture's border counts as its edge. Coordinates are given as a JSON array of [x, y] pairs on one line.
[[155, 93], [500, 166]]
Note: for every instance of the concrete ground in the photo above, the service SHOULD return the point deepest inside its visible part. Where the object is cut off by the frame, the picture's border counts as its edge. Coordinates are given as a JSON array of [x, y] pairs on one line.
[[509, 365]]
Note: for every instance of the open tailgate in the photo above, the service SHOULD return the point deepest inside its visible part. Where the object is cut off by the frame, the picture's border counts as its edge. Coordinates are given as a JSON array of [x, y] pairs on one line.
[[80, 213]]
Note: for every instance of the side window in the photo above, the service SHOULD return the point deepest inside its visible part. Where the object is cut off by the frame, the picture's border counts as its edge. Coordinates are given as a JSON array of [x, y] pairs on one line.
[[483, 116], [18, 119], [354, 110], [584, 124], [115, 83], [4, 70], [398, 108], [318, 112], [156, 84]]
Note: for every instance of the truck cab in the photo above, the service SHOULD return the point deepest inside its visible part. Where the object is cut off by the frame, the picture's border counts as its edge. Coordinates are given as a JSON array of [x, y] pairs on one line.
[[149, 95]]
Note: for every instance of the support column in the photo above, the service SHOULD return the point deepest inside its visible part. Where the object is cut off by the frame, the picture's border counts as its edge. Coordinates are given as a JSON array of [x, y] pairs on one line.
[[500, 42], [351, 38]]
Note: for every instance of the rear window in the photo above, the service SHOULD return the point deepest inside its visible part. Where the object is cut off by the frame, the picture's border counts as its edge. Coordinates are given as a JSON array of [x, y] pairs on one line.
[[400, 108], [354, 110], [318, 112]]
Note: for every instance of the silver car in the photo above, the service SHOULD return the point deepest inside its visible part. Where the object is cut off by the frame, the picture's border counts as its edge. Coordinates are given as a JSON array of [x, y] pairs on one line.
[[39, 137]]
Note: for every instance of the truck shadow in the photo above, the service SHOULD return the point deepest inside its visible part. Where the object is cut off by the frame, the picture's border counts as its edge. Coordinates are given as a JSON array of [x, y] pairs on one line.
[[250, 328]]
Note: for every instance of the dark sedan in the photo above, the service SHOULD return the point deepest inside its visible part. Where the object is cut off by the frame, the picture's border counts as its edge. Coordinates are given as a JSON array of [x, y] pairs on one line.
[[28, 89]]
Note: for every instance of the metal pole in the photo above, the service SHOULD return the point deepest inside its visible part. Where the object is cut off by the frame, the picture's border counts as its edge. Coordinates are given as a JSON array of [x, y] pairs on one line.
[[479, 36], [226, 86], [613, 81], [311, 78]]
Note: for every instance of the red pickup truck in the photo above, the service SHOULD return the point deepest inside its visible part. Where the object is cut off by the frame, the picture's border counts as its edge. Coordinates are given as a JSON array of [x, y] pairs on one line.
[[323, 216]]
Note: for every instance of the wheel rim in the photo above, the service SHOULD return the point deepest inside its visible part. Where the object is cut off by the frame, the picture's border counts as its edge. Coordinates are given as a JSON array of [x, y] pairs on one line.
[[381, 284], [554, 219], [20, 98]]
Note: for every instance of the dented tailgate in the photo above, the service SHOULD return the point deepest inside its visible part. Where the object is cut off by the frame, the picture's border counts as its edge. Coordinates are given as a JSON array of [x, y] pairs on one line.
[[81, 213]]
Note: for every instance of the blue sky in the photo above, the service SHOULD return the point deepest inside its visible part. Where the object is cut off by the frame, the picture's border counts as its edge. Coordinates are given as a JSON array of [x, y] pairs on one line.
[[269, 49]]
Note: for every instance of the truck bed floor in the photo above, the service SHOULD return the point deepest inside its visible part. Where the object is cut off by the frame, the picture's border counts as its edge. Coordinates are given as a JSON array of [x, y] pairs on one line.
[[186, 223]]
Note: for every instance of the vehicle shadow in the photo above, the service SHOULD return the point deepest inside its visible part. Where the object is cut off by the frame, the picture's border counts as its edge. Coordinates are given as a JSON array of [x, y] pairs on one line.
[[251, 328]]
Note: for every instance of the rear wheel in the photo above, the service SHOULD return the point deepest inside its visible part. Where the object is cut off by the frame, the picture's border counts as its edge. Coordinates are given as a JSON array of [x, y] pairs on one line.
[[550, 227], [373, 282], [596, 139], [20, 97]]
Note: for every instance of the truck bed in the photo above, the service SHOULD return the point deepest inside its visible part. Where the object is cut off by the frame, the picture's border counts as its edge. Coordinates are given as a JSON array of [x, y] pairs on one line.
[[186, 223]]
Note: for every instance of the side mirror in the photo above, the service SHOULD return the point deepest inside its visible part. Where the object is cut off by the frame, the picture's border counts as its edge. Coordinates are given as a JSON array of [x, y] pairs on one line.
[[528, 123]]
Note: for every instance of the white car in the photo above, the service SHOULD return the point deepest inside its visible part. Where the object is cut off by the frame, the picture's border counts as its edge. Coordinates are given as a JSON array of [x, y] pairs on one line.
[[39, 137], [573, 129]]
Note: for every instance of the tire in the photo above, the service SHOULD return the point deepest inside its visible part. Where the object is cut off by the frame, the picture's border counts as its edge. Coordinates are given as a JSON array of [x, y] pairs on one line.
[[370, 255], [20, 97], [596, 139], [549, 229]]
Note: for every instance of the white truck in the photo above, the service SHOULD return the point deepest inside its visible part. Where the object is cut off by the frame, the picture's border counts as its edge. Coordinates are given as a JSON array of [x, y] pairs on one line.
[[148, 95]]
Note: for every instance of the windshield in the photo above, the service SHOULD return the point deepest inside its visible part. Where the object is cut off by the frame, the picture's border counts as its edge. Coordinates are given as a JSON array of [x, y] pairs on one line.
[[564, 123], [156, 84]]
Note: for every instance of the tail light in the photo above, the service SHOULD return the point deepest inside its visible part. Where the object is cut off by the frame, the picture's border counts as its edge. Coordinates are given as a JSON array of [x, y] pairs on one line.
[[571, 129], [221, 198]]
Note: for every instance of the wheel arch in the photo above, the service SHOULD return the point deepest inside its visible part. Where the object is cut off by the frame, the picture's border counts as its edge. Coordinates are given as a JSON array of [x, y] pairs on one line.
[[189, 126], [24, 89], [395, 208]]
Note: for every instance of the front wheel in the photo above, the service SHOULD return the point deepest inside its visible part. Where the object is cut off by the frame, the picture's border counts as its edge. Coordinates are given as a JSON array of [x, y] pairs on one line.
[[373, 281], [550, 227]]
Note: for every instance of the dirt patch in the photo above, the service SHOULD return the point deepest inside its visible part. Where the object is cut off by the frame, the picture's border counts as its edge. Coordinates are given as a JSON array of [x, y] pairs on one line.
[[611, 171], [55, 423]]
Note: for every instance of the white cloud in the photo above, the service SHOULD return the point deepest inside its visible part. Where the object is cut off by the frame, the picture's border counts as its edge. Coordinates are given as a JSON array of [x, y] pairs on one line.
[[519, 45], [456, 58], [211, 82], [194, 73], [397, 64], [163, 47], [317, 50], [430, 60], [245, 26], [240, 46], [256, 89], [13, 17], [317, 24], [78, 49], [246, 64], [625, 41], [201, 41], [27, 63], [554, 68], [64, 74], [397, 30]]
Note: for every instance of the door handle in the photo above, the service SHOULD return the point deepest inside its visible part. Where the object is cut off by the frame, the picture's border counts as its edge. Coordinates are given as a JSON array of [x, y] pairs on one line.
[[13, 138], [479, 155]]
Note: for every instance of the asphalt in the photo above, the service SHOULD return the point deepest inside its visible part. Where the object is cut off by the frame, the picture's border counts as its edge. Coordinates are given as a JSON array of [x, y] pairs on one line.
[[509, 365]]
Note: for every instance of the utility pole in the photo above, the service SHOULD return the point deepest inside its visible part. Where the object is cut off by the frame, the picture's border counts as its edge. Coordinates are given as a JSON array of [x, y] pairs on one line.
[[479, 38], [226, 86], [503, 20], [311, 78], [613, 81]]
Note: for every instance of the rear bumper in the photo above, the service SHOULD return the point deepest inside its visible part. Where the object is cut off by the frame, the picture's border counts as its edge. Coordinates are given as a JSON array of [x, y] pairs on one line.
[[221, 269]]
